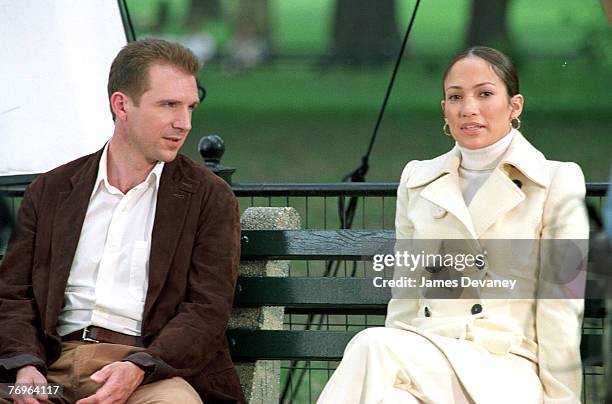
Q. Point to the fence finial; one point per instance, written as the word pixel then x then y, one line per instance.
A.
pixel 211 149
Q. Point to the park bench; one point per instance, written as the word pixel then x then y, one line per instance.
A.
pixel 264 293
pixel 337 295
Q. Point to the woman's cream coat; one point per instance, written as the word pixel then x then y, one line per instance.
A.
pixel 545 201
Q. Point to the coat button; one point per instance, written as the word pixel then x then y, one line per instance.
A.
pixel 477 308
pixel 518 183
pixel 427 312
pixel 480 264
pixel 438 212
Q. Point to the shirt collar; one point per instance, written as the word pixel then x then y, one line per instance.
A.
pixel 153 177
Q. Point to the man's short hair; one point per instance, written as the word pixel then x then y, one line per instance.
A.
pixel 129 71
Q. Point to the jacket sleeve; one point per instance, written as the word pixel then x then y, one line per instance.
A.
pixel 400 308
pixel 20 339
pixel 560 307
pixel 200 320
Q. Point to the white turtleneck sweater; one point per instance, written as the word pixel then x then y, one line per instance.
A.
pixel 478 164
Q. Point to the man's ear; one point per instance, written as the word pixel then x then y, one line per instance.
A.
pixel 120 104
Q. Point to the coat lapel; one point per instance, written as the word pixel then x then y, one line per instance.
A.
pixel 67 224
pixel 173 201
pixel 441 180
pixel 445 193
pixel 497 196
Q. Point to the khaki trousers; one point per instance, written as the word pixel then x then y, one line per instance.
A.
pixel 79 360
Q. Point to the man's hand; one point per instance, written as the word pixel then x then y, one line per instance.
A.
pixel 120 380
pixel 29 375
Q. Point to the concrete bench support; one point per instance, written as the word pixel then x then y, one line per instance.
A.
pixel 260 379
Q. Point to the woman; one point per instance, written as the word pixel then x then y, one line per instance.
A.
pixel 492 185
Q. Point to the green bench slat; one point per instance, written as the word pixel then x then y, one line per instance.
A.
pixel 311 244
pixel 247 345
pixel 332 295
pixel 310 292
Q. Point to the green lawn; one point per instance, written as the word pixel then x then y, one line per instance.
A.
pixel 301 124
pixel 292 121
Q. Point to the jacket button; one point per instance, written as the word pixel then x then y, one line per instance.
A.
pixel 480 264
pixel 427 312
pixel 438 212
pixel 477 308
pixel 518 183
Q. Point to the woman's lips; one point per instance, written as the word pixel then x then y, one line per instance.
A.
pixel 471 128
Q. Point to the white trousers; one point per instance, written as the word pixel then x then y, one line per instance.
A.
pixel 393 366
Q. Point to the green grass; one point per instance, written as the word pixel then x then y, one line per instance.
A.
pixel 295 122
pixel 301 124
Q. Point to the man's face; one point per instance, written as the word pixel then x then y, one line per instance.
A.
pixel 157 127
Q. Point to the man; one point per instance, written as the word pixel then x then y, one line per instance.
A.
pixel 119 281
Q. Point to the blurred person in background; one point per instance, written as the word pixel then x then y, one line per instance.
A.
pixel 251 43
pixel 196 36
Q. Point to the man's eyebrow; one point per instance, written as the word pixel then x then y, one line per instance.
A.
pixel 165 100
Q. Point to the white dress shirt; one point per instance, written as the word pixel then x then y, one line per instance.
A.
pixel 109 278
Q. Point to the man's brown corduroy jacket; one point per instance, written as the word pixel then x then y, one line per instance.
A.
pixel 192 274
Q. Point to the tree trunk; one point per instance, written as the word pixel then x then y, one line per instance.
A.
pixel 364 31
pixel 200 11
pixel 488 25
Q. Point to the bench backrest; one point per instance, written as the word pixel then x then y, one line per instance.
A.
pixel 329 295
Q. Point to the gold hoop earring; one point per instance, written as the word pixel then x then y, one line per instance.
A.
pixel 515 123
pixel 445 129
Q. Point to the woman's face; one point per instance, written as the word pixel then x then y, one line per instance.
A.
pixel 476 104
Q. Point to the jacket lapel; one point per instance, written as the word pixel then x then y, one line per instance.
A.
pixel 441 180
pixel 496 196
pixel 445 193
pixel 173 201
pixel 67 224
